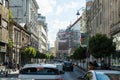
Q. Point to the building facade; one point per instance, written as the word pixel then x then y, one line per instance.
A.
pixel 25 13
pixel 20 39
pixel 115 28
pixel 103 17
pixel 62 41
pixel 74 38
pixel 4 24
pixel 43 36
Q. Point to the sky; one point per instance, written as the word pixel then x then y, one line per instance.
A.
pixel 59 14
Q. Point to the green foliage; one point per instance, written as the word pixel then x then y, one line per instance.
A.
pixel 40 55
pixel 30 52
pixel 116 55
pixel 10 43
pixel 49 56
pixel 101 46
pixel 10 15
pixel 79 53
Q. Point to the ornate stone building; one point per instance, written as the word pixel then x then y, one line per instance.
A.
pixel 4 24
pixel 103 16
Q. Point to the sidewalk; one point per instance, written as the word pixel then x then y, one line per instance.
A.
pixel 81 69
pixel 115 68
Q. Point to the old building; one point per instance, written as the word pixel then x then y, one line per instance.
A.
pixel 20 39
pixel 25 12
pixel 103 16
pixel 4 23
pixel 115 28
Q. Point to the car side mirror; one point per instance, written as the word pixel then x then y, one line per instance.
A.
pixel 62 72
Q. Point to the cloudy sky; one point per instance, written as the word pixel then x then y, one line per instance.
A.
pixel 59 14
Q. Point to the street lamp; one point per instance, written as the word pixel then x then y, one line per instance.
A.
pixel 78 13
pixel 83 9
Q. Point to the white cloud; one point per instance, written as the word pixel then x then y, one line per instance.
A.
pixel 66 7
pixel 59 10
pixel 45 6
pixel 71 5
pixel 53 2
pixel 59 24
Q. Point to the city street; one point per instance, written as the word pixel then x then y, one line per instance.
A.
pixel 60 39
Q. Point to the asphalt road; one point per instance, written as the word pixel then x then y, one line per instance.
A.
pixel 72 75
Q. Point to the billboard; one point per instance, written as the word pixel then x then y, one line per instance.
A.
pixel 84 39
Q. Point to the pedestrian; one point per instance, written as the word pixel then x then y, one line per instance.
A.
pixel 18 66
pixel 95 63
pixel 91 66
pixel 103 65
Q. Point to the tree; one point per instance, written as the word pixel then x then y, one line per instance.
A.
pixel 101 46
pixel 79 53
pixel 49 55
pixel 29 52
pixel 40 55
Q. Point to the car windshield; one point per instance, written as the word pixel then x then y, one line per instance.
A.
pixel 107 76
pixel 39 71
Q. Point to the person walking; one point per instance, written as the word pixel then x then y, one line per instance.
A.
pixel 91 66
pixel 95 64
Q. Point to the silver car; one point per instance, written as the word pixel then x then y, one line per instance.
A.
pixel 40 72
pixel 101 75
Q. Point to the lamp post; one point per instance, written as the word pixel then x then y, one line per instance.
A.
pixel 87 37
pixel 78 11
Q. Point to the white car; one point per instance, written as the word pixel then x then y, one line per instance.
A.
pixel 40 72
pixel 101 75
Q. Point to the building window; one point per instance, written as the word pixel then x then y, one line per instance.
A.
pixel 16 35
pixel 4 23
pixel 0 19
pixel 0 34
pixel 100 17
pixel 1 1
pixel 6 4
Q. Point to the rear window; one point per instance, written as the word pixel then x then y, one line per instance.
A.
pixel 67 64
pixel 40 71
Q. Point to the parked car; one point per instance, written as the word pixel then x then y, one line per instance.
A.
pixel 41 72
pixel 68 66
pixel 101 75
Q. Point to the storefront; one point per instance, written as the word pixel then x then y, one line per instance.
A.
pixel 3 52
